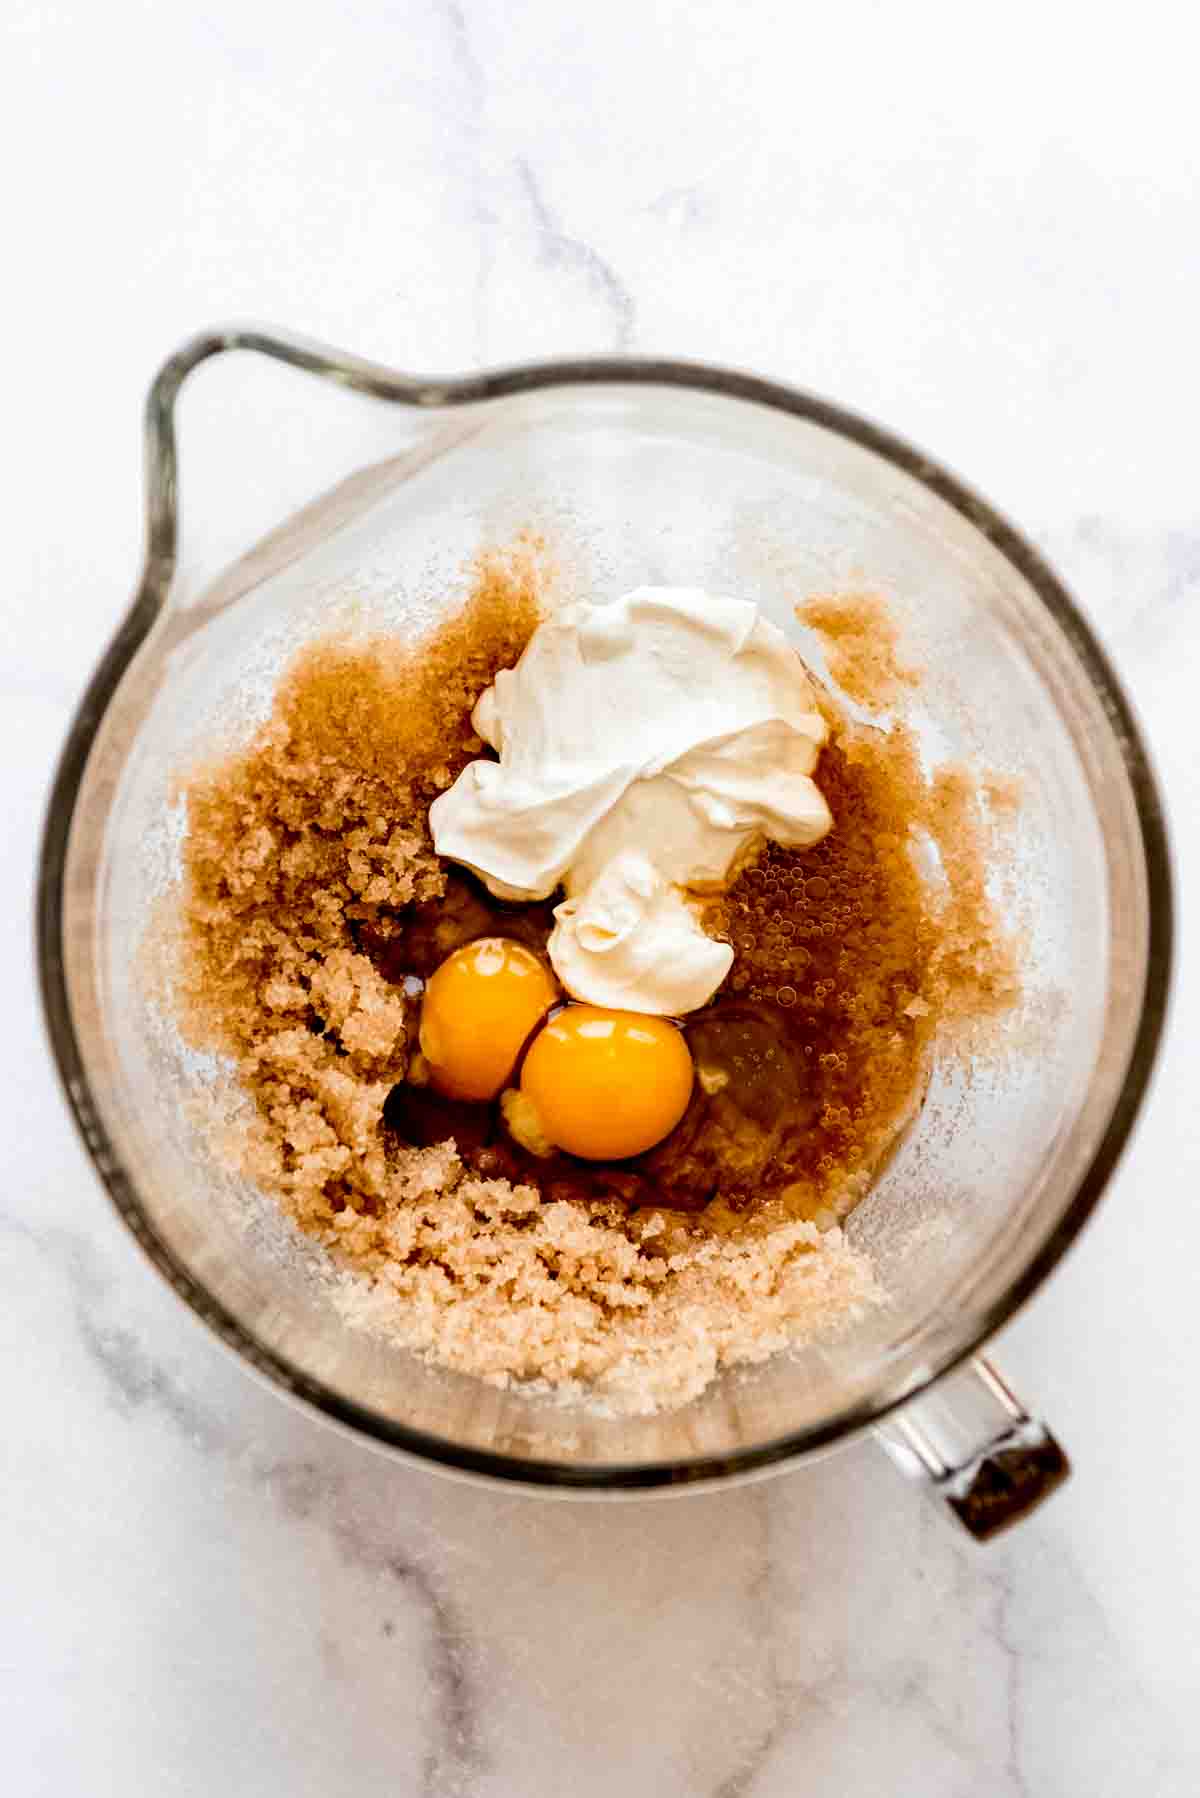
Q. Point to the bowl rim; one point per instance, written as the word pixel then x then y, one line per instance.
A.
pixel 437 394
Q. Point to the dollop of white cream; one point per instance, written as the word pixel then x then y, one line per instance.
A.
pixel 631 941
pixel 646 748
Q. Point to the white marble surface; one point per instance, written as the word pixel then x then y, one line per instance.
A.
pixel 984 234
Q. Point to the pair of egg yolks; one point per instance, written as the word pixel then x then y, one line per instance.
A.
pixel 604 1084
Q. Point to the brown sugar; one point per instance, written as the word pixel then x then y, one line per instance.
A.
pixel 862 647
pixel 301 841
pixel 311 890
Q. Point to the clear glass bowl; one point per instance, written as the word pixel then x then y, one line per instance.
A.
pixel 640 471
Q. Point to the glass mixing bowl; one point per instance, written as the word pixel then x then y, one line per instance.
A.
pixel 664 472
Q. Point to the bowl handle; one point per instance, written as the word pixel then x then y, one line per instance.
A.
pixel 322 360
pixel 977 1448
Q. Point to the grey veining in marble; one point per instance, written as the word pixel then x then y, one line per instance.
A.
pixel 990 246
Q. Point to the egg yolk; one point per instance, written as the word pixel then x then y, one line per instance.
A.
pixel 478 1011
pixel 607 1084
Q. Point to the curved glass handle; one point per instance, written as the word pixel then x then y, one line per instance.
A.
pixel 337 366
pixel 973 1442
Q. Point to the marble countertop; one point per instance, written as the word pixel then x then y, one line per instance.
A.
pixel 987 240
